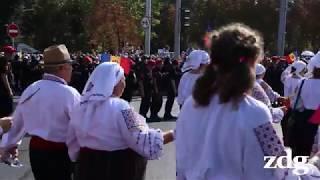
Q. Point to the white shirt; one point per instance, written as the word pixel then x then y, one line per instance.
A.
pixel 113 126
pixel 43 111
pixel 290 85
pixel 310 94
pixel 186 85
pixel 218 142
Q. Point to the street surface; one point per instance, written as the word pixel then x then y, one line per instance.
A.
pixel 163 169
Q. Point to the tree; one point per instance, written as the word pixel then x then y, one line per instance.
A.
pixel 7 10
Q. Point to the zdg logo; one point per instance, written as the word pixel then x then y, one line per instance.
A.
pixel 286 162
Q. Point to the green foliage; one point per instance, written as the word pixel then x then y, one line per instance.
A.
pixel 77 23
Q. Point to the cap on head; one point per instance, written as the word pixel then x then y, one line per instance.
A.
pixel 56 55
pixel 260 69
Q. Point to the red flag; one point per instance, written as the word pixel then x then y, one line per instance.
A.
pixel 126 64
pixel 315 119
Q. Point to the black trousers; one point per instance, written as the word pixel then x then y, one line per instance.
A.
pixel 145 104
pixel 113 165
pixel 169 104
pixel 50 165
pixel 284 127
pixel 301 134
pixel 156 104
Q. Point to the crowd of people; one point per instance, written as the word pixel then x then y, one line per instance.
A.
pixel 230 100
pixel 150 77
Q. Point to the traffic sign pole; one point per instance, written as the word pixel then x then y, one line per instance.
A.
pixel 147 43
pixel 13 32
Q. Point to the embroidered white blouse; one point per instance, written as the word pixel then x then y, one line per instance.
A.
pixel 219 142
pixel 310 94
pixel 259 94
pixel 113 126
pixel 43 111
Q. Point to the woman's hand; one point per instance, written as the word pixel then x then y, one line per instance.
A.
pixel 6 123
pixel 168 137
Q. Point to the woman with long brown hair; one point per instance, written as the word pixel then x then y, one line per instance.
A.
pixel 222 132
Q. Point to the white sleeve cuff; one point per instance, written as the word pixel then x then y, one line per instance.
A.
pixel 277 115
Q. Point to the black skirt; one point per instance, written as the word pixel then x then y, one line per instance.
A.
pixel 301 133
pixel 110 165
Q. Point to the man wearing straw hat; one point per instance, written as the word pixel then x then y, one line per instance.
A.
pixel 43 112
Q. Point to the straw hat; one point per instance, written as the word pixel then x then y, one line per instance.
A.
pixel 56 55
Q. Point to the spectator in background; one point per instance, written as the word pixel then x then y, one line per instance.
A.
pixel 6 93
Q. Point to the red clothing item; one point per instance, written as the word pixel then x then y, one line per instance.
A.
pixel 126 64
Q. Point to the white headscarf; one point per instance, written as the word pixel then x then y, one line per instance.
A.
pixel 102 81
pixel 195 59
pixel 260 69
pixel 95 96
pixel 299 66
pixel 314 62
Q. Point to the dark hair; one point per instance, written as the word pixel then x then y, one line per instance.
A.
pixel 235 48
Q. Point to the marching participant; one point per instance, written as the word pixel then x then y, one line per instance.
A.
pixel 310 65
pixel 193 68
pixel 291 78
pixel 43 112
pixel 111 140
pixel 306 56
pixel 260 73
pixel 222 132
pixel 302 132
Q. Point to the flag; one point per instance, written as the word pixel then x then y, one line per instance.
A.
pixel 291 58
pixel 126 64
pixel 105 57
pixel 115 59
pixel 315 119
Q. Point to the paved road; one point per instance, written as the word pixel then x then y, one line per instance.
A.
pixel 163 169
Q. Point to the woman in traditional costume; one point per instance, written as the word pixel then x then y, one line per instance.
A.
pixel 108 138
pixel 222 132
pixel 302 132
pixel 193 68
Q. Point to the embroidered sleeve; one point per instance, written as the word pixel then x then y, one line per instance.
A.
pixel 132 120
pixel 259 94
pixel 268 140
pixel 273 96
pixel 146 141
